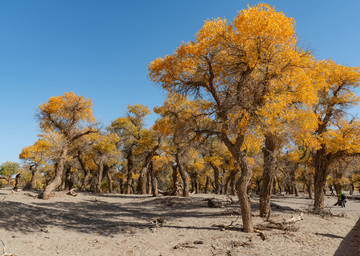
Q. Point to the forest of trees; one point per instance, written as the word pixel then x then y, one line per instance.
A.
pixel 247 110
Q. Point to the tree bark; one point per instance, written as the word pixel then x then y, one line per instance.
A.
pixel 321 169
pixel 99 175
pixel 310 185
pixel 33 170
pixel 110 180
pixel 154 183
pixel 216 178
pixel 86 171
pixel 184 176
pixel 130 166
pixel 149 182
pixel 268 174
pixel 207 183
pixel 56 182
pixel 243 181
pixel 143 180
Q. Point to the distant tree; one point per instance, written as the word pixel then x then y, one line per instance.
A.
pixel 9 169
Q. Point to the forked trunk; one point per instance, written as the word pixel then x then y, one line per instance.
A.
pixel 56 182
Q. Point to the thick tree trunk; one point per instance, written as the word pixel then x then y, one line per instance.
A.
pixel 17 181
pixel 149 182
pixel 268 174
pixel 99 177
pixel 110 180
pixel 310 186
pixel 143 180
pixel 321 169
pixel 232 182
pixel 154 183
pixel 216 178
pixel 207 183
pixel 243 196
pixel 184 176
pixel 243 182
pixel 33 177
pixel 227 184
pixel 85 181
pixel 130 166
pixel 86 171
pixel 294 188
pixel 69 179
pixel 56 182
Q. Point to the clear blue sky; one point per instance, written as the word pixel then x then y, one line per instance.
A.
pixel 101 49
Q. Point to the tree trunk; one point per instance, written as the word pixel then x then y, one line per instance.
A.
pixel 130 166
pixel 149 182
pixel 154 184
pixel 110 180
pixel 33 177
pixel 86 179
pixel 232 182
pixel 216 178
pixel 184 176
pixel 321 166
pixel 244 180
pixel 99 175
pixel 243 196
pixel 227 184
pixel 56 182
pixel 17 181
pixel 86 171
pixel 142 180
pixel 268 174
pixel 69 179
pixel 206 189
pixel 310 185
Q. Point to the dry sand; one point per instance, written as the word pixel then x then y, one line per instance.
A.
pixel 111 224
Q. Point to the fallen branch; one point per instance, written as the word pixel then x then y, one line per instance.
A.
pixel 4 253
pixel 72 193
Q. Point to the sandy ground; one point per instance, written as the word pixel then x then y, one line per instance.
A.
pixel 112 224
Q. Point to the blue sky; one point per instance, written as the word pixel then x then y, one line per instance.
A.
pixel 101 49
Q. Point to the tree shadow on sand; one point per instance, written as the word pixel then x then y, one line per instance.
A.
pixel 94 215
pixel 351 243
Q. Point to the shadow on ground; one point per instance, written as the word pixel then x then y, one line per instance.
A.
pixel 95 215
pixel 351 243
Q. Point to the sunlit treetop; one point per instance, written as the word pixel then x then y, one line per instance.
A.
pixel 66 114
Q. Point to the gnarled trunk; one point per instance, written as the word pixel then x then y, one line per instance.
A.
pixel 184 176
pixel 243 181
pixel 56 182
pixel 321 169
pixel 268 174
